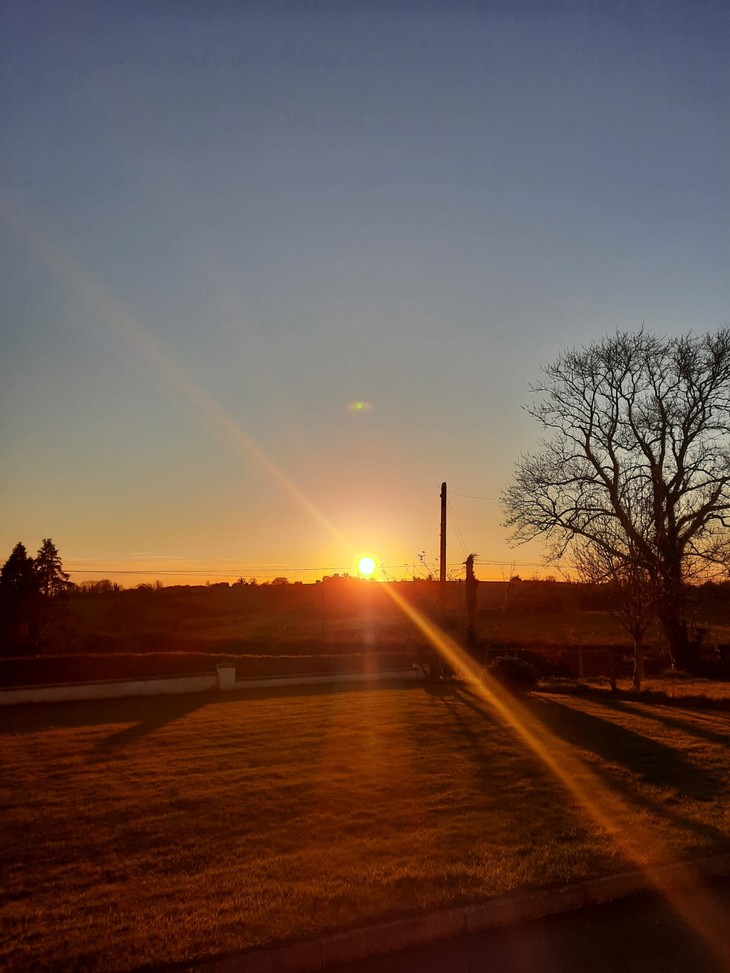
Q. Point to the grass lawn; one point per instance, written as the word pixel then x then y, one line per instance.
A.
pixel 158 830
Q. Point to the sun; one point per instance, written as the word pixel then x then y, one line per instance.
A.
pixel 366 566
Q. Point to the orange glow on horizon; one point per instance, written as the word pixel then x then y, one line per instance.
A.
pixel 171 571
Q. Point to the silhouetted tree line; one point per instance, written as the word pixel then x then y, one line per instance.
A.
pixel 28 588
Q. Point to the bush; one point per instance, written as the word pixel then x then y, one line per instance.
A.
pixel 516 674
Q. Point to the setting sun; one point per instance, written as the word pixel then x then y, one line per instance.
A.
pixel 366 566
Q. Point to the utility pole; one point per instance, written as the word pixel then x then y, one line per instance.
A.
pixel 442 552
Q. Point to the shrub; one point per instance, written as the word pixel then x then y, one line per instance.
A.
pixel 516 674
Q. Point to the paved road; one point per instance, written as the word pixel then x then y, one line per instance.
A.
pixel 637 935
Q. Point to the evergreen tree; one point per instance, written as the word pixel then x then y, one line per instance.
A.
pixel 51 578
pixel 17 575
pixel 18 594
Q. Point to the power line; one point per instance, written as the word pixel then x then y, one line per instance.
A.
pixel 192 571
pixel 456 528
pixel 468 496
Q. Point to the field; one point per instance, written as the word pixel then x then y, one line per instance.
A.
pixel 158 830
pixel 339 624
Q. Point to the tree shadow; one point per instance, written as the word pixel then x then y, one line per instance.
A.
pixel 456 700
pixel 448 694
pixel 150 719
pixel 672 721
pixel 175 707
pixel 651 761
pixel 32 717
pixel 71 714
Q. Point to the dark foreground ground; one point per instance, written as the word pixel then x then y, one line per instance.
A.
pixel 636 935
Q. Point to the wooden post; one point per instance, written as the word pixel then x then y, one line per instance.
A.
pixel 471 602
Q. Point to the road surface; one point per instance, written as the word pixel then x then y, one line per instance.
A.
pixel 637 935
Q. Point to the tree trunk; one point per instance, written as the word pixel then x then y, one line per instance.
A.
pixel 680 649
pixel 670 613
pixel 612 670
pixel 638 664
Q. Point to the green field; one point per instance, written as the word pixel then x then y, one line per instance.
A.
pixel 159 830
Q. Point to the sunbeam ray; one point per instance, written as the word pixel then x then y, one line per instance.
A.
pixel 122 326
pixel 628 831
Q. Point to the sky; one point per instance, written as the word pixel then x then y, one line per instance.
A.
pixel 271 272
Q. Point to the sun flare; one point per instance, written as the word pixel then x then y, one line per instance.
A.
pixel 366 566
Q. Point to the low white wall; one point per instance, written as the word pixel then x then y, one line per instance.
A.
pixel 110 690
pixel 204 682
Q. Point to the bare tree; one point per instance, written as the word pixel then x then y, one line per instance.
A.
pixel 637 463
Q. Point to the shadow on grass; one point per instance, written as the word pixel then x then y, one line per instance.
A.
pixel 448 694
pixel 650 713
pixel 151 719
pixel 650 697
pixel 31 717
pixel 494 754
pixel 651 762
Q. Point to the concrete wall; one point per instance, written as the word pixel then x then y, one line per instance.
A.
pixel 224 679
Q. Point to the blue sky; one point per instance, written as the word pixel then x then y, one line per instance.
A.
pixel 221 224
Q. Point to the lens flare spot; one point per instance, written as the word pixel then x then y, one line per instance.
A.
pixel 359 406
